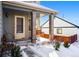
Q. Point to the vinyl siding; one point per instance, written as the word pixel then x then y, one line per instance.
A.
pixel 9 22
pixel 58 23
pixel 0 21
pixel 67 29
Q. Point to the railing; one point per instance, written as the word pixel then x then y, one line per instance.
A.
pixel 70 39
pixel 73 38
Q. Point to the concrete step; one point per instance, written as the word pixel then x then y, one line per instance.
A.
pixel 22 43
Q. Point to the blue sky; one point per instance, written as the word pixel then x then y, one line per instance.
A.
pixel 68 10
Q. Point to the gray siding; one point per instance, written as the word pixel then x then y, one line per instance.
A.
pixel 0 21
pixel 9 22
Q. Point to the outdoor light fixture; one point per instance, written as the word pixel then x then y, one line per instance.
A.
pixel 6 14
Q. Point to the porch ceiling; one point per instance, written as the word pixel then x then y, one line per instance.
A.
pixel 30 6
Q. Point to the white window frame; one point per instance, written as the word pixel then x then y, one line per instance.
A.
pixel 59 30
pixel 16 24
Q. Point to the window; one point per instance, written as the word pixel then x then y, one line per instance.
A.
pixel 59 30
pixel 19 25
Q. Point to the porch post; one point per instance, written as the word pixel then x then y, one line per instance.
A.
pixel 33 27
pixel 1 32
pixel 51 27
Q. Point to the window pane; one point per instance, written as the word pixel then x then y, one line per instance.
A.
pixel 19 25
pixel 59 30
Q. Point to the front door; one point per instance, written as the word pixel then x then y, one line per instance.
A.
pixel 19 27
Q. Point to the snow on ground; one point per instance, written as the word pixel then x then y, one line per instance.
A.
pixel 76 44
pixel 72 51
pixel 23 53
pixel 49 51
pixel 42 50
pixel 23 47
pixel 41 39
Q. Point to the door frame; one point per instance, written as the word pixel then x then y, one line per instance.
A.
pixel 19 35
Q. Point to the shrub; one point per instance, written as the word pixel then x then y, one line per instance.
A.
pixel 15 51
pixel 1 50
pixel 4 39
pixel 66 45
pixel 57 45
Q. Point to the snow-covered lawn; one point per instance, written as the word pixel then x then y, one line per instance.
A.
pixel 49 51
pixel 72 51
pixel 23 53
pixel 43 50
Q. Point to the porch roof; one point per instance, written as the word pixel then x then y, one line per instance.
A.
pixel 31 6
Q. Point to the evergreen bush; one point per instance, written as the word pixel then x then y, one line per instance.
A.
pixel 66 45
pixel 57 45
pixel 15 51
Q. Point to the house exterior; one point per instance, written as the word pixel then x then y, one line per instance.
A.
pixel 62 28
pixel 19 20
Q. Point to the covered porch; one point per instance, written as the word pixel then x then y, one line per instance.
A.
pixel 21 20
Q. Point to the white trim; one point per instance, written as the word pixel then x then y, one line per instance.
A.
pixel 19 34
pixel 30 6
